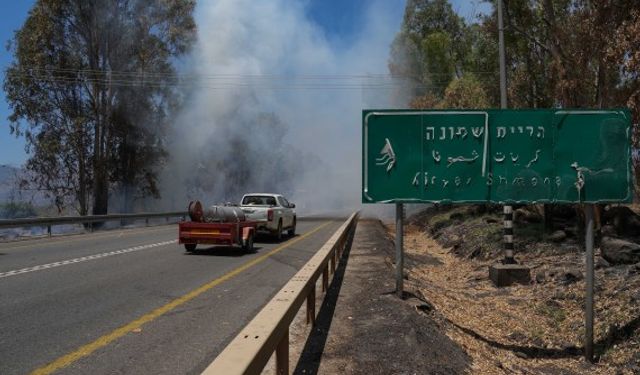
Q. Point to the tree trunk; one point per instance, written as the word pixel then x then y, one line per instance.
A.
pixel 100 177
pixel 100 192
pixel 82 183
pixel 556 51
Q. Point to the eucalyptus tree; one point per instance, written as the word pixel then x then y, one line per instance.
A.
pixel 91 87
pixel 429 50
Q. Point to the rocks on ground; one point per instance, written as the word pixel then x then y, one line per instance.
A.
pixel 619 251
pixel 556 296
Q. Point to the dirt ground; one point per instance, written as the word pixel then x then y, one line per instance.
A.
pixel 523 329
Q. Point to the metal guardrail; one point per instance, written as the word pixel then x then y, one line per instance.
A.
pixel 51 221
pixel 268 332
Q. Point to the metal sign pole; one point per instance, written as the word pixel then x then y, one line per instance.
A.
pixel 588 346
pixel 399 250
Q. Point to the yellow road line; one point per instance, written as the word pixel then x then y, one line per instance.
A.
pixel 49 241
pixel 86 350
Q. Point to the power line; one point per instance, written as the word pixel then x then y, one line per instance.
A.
pixel 145 74
pixel 239 86
pixel 276 82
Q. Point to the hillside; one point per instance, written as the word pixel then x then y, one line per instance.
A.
pixel 535 328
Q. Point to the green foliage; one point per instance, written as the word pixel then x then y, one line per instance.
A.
pixel 438 60
pixel 17 210
pixel 466 92
pixel 560 53
pixel 430 48
pixel 94 84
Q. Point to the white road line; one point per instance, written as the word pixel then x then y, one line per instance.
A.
pixel 83 259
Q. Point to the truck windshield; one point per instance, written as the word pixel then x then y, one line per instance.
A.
pixel 258 200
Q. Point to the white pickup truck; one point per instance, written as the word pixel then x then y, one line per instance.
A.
pixel 273 213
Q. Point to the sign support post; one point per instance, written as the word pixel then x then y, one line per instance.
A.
pixel 508 236
pixel 588 345
pixel 399 250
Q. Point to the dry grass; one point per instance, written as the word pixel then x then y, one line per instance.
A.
pixel 526 329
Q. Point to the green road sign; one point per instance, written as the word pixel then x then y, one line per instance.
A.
pixel 500 156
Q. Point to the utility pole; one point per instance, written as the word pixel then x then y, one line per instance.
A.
pixel 508 271
pixel 508 210
pixel 503 67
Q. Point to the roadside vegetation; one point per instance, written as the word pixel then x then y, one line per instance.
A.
pixel 560 54
pixel 92 88
pixel 535 328
pixel 17 210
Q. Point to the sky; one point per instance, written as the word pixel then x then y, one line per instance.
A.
pixel 341 21
pixel 13 14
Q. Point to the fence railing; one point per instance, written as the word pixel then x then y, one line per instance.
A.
pixel 62 220
pixel 268 332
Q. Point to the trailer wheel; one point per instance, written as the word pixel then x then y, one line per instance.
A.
pixel 190 247
pixel 247 246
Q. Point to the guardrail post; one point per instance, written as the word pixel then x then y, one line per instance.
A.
pixel 311 307
pixel 282 354
pixel 325 279
pixel 333 263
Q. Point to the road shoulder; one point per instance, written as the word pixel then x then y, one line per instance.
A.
pixel 363 328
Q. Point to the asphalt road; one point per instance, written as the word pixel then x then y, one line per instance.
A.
pixel 133 301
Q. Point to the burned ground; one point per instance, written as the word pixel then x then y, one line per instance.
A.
pixel 536 328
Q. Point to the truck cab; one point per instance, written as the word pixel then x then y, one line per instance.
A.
pixel 273 213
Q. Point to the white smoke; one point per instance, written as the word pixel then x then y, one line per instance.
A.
pixel 257 57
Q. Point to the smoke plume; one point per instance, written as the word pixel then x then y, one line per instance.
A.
pixel 276 104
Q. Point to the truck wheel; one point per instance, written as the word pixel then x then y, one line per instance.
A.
pixel 190 247
pixel 247 246
pixel 292 230
pixel 279 231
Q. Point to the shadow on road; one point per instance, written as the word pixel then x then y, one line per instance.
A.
pixel 267 239
pixel 236 251
pixel 223 251
pixel 374 333
pixel 309 361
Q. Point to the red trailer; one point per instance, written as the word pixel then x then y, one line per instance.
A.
pixel 232 232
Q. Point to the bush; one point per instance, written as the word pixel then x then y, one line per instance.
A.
pixel 17 210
